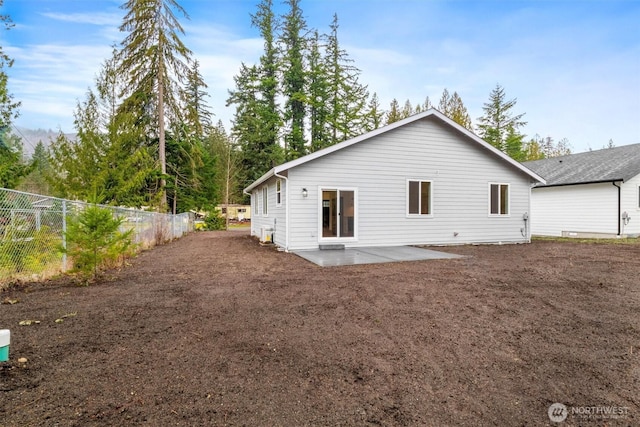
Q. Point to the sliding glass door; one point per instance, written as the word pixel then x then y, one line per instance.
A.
pixel 338 213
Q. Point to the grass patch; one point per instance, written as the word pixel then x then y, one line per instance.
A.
pixel 621 241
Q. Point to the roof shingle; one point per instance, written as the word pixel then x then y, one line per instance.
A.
pixel 609 164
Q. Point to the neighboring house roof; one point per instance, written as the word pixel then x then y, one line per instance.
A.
pixel 606 165
pixel 429 113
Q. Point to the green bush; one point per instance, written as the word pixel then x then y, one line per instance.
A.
pixel 215 221
pixel 94 240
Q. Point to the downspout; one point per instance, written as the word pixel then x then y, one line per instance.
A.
pixel 286 211
pixel 251 202
pixel 619 207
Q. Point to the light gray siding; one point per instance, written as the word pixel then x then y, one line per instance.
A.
pixel 276 213
pixel 585 208
pixel 631 204
pixel 378 168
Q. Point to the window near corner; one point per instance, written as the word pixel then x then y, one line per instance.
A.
pixel 499 203
pixel 419 198
pixel 265 198
pixel 278 192
pixel 638 196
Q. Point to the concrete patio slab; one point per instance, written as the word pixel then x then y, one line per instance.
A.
pixel 372 255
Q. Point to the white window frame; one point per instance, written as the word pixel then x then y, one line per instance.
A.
pixel 255 201
pixel 419 215
pixel 278 192
pixel 265 201
pixel 638 194
pixel 500 184
pixel 322 239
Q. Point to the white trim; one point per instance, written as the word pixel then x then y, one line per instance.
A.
pixel 278 191
pixel 322 239
pixel 431 112
pixel 265 201
pixel 499 215
pixel 286 211
pixel 419 215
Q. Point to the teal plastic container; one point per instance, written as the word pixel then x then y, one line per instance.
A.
pixel 5 339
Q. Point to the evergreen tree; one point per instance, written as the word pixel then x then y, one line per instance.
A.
pixel 294 80
pixel 453 107
pixel 258 154
pixel 154 62
pixel 198 114
pixel 394 114
pixel 374 115
pixel 318 95
pixel 267 73
pixel 444 106
pixel 185 146
pixel 38 179
pixel 407 110
pixel 257 122
pixel 12 167
pixel 458 112
pixel 106 156
pixel 347 98
pixel 499 126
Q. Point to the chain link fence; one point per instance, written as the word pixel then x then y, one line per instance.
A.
pixel 33 227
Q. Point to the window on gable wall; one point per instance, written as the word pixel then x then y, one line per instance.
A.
pixel 499 199
pixel 278 192
pixel 419 197
pixel 265 200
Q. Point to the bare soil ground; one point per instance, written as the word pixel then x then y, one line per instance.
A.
pixel 214 329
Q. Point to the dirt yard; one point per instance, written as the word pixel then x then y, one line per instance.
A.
pixel 216 330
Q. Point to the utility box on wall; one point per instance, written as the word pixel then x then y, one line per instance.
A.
pixel 5 339
pixel 266 234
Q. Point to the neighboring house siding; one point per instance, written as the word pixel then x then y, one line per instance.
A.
pixel 584 208
pixel 460 171
pixel 631 204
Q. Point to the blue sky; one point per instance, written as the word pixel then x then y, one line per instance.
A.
pixel 574 66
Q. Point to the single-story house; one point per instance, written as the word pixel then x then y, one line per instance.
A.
pixel 592 194
pixel 422 180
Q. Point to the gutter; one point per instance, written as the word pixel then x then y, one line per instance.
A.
pixel 286 211
pixel 619 207
pixel 581 183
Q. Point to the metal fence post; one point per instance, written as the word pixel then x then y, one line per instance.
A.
pixel 64 235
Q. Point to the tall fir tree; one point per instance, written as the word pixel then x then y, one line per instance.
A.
pixel 374 114
pixel 268 73
pixel 318 95
pixel 12 166
pixel 294 79
pixel 499 126
pixel 395 113
pixel 258 153
pixel 347 98
pixel 154 62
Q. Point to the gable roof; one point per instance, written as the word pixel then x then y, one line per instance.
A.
pixel 429 113
pixel 606 165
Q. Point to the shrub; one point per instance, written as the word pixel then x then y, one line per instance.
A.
pixel 94 239
pixel 215 221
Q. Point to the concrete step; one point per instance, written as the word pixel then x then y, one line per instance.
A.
pixel 331 247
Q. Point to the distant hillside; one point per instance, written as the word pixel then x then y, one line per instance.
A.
pixel 31 137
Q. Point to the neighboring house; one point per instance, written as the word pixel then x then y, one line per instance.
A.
pixel 592 194
pixel 422 180
pixel 235 212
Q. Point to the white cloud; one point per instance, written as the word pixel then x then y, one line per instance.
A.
pixel 94 18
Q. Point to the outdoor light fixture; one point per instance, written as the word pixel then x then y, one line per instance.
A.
pixel 304 192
